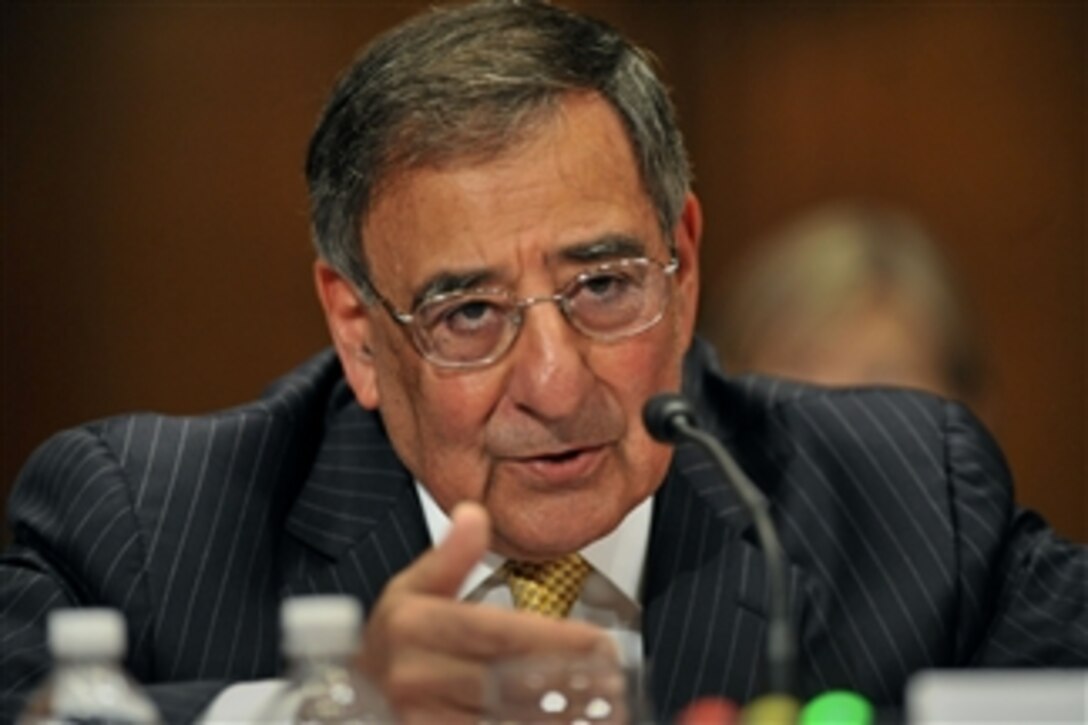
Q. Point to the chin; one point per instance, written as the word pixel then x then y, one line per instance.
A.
pixel 553 531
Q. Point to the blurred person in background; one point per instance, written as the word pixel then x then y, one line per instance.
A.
pixel 852 294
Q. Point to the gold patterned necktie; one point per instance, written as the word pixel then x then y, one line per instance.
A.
pixel 546 587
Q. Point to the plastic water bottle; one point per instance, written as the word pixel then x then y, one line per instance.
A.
pixel 88 682
pixel 320 640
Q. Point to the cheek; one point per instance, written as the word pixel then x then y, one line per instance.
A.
pixel 633 373
pixel 456 405
pixel 420 397
pixel 437 421
pixel 649 366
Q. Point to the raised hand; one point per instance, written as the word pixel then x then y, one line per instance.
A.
pixel 429 652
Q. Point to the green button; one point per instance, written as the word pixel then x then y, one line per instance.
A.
pixel 837 707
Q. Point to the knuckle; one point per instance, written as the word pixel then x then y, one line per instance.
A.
pixel 402 622
pixel 405 683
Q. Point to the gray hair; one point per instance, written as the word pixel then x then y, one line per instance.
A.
pixel 467 83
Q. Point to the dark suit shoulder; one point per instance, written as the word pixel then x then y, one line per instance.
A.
pixel 897 503
pixel 906 550
pixel 148 464
pixel 895 458
pixel 939 439
pixel 302 393
pixel 177 521
pixel 146 451
pixel 299 398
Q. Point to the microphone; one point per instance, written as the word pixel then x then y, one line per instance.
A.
pixel 670 418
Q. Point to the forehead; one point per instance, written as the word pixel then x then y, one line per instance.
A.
pixel 573 180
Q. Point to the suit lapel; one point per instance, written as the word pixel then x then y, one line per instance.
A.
pixel 706 595
pixel 357 515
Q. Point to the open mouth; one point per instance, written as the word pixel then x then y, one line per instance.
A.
pixel 562 468
pixel 563 456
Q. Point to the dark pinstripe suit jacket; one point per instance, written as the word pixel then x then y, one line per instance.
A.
pixel 895 508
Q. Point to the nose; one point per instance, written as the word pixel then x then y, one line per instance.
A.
pixel 550 377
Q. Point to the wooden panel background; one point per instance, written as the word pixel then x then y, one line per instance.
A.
pixel 154 234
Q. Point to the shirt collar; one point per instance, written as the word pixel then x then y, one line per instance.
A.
pixel 619 556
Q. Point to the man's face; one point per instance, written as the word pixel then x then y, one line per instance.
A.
pixel 549 437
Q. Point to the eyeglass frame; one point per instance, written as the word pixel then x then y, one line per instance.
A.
pixel 408 320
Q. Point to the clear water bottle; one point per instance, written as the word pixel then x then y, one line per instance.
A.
pixel 88 683
pixel 320 640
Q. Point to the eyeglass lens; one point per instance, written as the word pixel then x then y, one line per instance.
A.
pixel 609 302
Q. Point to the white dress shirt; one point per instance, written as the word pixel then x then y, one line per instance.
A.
pixel 609 599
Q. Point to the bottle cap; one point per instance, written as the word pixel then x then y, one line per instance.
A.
pixel 837 707
pixel 320 625
pixel 709 711
pixel 86 634
pixel 770 709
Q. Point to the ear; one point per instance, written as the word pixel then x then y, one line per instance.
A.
pixel 687 235
pixel 351 327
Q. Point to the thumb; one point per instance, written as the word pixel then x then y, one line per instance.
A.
pixel 442 569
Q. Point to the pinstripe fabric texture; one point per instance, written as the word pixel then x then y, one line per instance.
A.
pixel 895 510
pixel 196 528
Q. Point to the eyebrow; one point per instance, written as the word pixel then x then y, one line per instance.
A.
pixel 444 283
pixel 602 249
pixel 605 248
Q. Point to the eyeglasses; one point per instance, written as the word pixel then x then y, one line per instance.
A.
pixel 477 327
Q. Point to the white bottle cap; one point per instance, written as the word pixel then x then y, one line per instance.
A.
pixel 321 625
pixel 87 634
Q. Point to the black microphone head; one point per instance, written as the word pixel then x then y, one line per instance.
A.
pixel 662 412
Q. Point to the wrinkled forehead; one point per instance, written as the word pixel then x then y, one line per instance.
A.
pixel 569 191
pixel 575 130
pixel 455 139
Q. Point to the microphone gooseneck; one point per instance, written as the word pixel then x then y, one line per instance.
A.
pixel 670 418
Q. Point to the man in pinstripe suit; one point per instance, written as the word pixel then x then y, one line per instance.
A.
pixel 508 262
